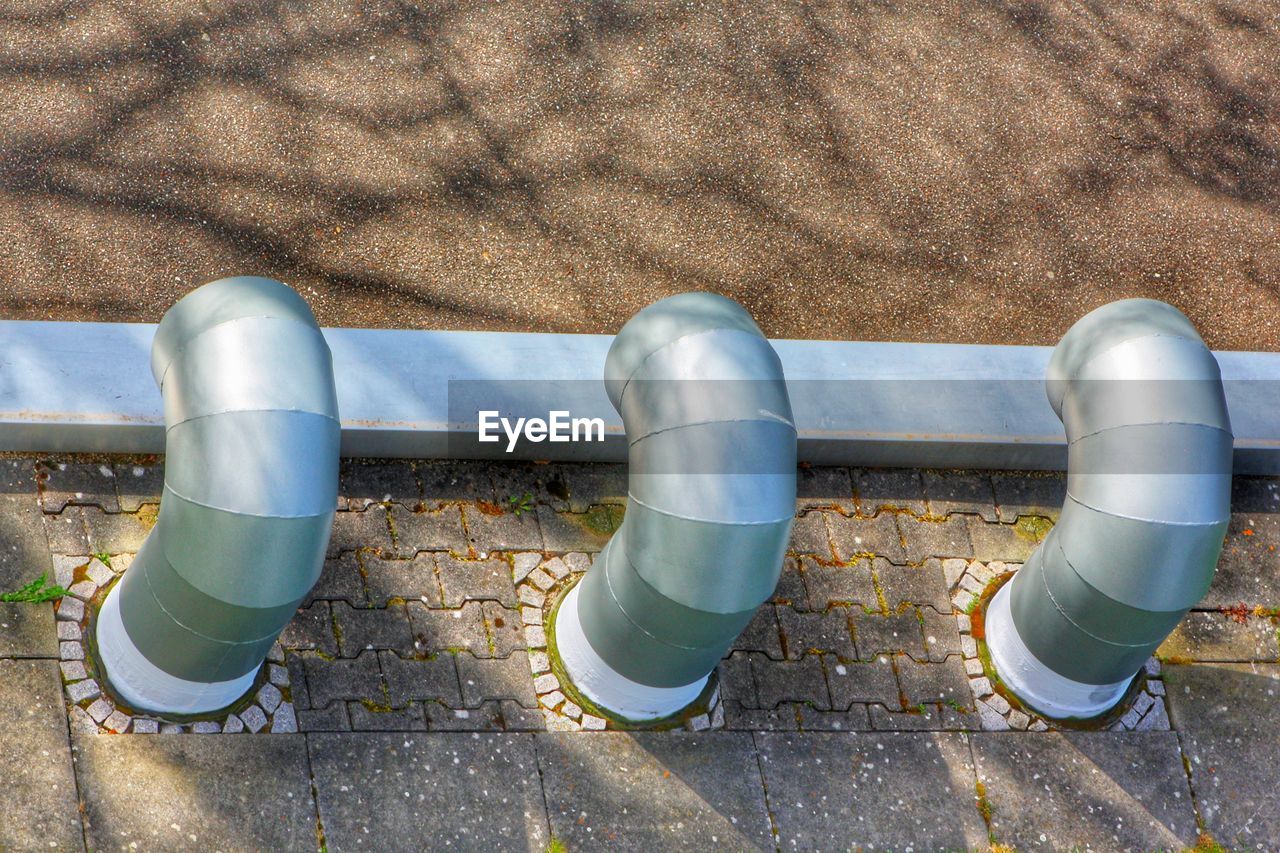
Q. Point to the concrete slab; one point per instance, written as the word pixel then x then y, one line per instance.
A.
pixel 38 807
pixel 196 792
pixel 416 791
pixel 842 791
pixel 1227 716
pixel 654 791
pixel 1086 790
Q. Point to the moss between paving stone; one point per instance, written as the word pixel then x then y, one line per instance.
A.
pixel 977 629
pixel 697 707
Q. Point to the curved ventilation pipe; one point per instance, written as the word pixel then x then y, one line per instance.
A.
pixel 250 487
pixel 711 497
pixel 1148 500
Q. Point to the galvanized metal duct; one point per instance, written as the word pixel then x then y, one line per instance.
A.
pixel 251 481
pixel 711 498
pixel 1148 501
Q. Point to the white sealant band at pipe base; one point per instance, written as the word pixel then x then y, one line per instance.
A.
pixel 145 686
pixel 1040 687
pixel 602 684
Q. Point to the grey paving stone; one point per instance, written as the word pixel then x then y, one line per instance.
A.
pixel 115 532
pixel 491 527
pixel 1009 542
pixel 486 718
pixel 503 625
pixel 24 543
pixel 790 681
pixel 441 630
pixel 137 485
pixel 871 791
pixel 941 539
pixel 66 532
pixel 784 718
pixel 650 791
pixel 810 535
pixel 853 719
pixel 331 719
pixel 496 679
pixel 27 630
pixel 405 791
pixel 578 531
pixel 577 487
pixel 924 585
pixel 827 632
pixel 241 792
pixel 355 530
pixel 853 684
pixel 1227 716
pixel 1086 790
pixel 876 634
pixel 412 579
pixel 880 489
pixel 38 807
pixel 284 720
pixel 420 679
pixel 959 491
pixel 1029 493
pixel 1217 637
pixel 821 487
pixel 917 718
pixel 855 537
pixel 80 483
pixel 311 629
pixel 361 628
pixel 452 480
pixel 941 636
pixel 366 481
pixel 761 634
pixel 1246 571
pixel 427 530
pixel 370 717
pixel 736 681
pixel 18 476
pixel 944 682
pixel 355 678
pixel 475 580
pixel 83 690
pixel 340 578
pixel 825 586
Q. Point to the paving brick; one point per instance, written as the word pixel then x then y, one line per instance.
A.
pixel 790 589
pixel 66 532
pixel 38 796
pixel 809 535
pixel 862 537
pixel 761 634
pixel 784 718
pixel 683 791
pixel 334 718
pixel 427 530
pixel 138 485
pixel 18 477
pixel 576 487
pixel 439 630
pixel 370 717
pixel 1086 790
pixel 854 719
pixel 343 679
pixel 941 637
pixel 496 679
pixel 823 488
pixel 372 628
pixel 493 528
pixel 827 632
pixel 503 625
pixel 355 530
pixel 942 539
pixel 944 682
pixel 411 579
pixel 27 630
pixel 859 683
pixel 790 681
pixel 736 681
pixel 876 634
pixel 363 482
pixel 924 718
pixel 486 718
pixel 79 483
pixel 452 480
pixel 827 586
pixel 116 533
pixel 586 531
pixel 924 585
pixel 1029 494
pixel 475 580
pixel 340 578
pixel 1007 542
pixel 1217 637
pixel 871 791
pixel 312 629
pixel 1246 571
pixel 959 491
pixel 453 783
pixel 880 489
pixel 434 678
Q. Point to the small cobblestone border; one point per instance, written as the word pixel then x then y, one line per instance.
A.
pixel 92 711
pixel 969 583
pixel 540 586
